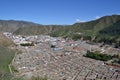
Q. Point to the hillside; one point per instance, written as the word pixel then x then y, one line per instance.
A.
pixel 13 25
pixel 6 54
pixel 91 30
pixel 101 30
pixel 4 41
pixel 24 27
pixel 87 28
pixel 104 30
pixel 43 29
pixel 114 29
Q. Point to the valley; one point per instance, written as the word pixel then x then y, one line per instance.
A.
pixel 81 51
pixel 61 59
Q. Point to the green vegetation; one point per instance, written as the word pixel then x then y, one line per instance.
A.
pixel 13 69
pixel 104 30
pixel 103 57
pixel 98 56
pixel 6 56
pixel 27 44
pixel 13 25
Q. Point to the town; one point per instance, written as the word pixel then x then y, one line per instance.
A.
pixel 60 59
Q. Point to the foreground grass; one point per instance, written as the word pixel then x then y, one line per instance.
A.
pixel 6 56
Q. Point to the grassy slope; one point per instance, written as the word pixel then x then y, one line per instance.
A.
pixel 111 30
pixel 110 24
pixel 6 54
pixel 4 41
pixel 12 25
pixel 88 28
pixel 105 29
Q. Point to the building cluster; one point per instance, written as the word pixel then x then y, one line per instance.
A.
pixel 60 59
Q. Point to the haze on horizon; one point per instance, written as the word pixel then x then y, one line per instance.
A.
pixel 57 11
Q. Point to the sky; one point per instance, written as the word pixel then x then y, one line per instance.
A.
pixel 61 12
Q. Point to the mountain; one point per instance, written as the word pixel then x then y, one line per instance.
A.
pixel 114 29
pixel 86 28
pixel 105 29
pixel 99 23
pixel 44 29
pixel 13 25
pixel 91 29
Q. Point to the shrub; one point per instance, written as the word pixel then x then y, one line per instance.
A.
pixel 98 56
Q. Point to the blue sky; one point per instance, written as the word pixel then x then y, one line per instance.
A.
pixel 57 11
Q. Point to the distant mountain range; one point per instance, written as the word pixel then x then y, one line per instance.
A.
pixel 13 25
pixel 104 23
pixel 100 30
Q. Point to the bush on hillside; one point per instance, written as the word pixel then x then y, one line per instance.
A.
pixel 98 56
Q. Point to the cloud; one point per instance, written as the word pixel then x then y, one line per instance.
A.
pixel 78 20
pixel 97 17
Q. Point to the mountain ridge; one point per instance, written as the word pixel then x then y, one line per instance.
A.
pixel 13 25
pixel 98 30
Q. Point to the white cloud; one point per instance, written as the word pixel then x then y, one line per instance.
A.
pixel 78 20
pixel 97 17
